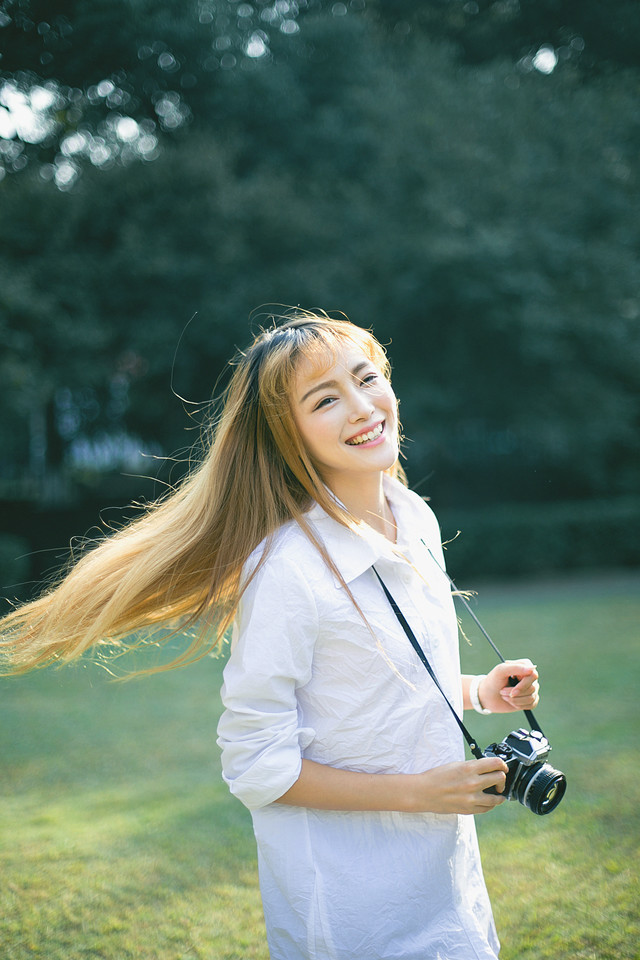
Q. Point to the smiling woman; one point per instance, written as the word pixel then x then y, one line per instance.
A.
pixel 333 735
pixel 347 418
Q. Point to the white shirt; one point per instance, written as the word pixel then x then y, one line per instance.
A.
pixel 308 678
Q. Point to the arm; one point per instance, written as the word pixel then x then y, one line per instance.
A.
pixel 494 692
pixel 452 788
pixel 262 740
pixel 259 732
pixel 496 695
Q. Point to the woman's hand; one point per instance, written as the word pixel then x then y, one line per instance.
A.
pixel 459 787
pixel 496 695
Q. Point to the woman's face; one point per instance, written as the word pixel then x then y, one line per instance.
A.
pixel 346 415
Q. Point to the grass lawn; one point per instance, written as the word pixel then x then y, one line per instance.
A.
pixel 118 839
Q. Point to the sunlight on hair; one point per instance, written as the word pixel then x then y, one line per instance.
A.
pixel 179 568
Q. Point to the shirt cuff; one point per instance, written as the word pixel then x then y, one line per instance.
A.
pixel 270 773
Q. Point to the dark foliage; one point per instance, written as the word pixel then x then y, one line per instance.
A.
pixel 406 163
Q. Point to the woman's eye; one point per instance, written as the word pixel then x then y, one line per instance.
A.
pixel 324 402
pixel 370 378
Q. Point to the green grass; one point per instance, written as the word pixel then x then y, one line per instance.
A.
pixel 118 839
pixel 565 886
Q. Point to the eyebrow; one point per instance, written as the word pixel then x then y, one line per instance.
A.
pixel 327 384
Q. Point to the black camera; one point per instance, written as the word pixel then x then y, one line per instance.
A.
pixel 530 780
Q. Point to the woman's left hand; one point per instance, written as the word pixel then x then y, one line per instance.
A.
pixel 496 695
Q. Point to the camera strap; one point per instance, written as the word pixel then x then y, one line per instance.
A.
pixel 531 720
pixel 473 746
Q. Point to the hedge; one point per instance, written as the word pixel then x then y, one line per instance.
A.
pixel 496 541
pixel 14 561
pixel 519 539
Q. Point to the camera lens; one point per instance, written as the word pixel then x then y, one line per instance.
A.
pixel 541 788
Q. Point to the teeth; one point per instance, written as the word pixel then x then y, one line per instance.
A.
pixel 364 437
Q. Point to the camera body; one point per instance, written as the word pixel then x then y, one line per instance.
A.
pixel 530 779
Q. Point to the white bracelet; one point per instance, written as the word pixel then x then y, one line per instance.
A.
pixel 473 694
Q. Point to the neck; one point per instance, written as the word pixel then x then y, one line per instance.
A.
pixel 364 498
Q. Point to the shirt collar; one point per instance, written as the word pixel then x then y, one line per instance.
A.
pixel 354 553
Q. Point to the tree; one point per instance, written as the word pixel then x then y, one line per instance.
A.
pixel 106 81
pixel 591 36
pixel 367 171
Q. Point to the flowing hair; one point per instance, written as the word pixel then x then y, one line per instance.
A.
pixel 179 567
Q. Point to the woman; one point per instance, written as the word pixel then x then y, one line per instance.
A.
pixel 333 733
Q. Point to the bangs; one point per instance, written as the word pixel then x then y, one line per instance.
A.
pixel 323 344
pixel 318 340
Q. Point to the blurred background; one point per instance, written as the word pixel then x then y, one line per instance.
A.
pixel 460 176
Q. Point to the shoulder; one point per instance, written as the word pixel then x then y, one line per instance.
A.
pixel 419 504
pixel 413 507
pixel 281 582
pixel 287 551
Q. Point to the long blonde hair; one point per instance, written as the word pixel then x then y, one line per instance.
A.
pixel 179 566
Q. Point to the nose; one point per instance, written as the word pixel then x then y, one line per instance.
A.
pixel 361 406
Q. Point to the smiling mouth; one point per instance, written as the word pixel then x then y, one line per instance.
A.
pixel 372 434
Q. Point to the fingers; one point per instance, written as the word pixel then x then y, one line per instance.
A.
pixel 526 699
pixel 491 776
pixel 526 693
pixel 498 695
pixel 488 766
pixel 460 787
pixel 492 772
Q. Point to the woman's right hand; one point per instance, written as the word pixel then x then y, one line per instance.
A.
pixel 459 787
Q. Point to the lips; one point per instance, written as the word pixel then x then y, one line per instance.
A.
pixel 367 435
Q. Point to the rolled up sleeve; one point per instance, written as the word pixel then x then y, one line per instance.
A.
pixel 261 733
